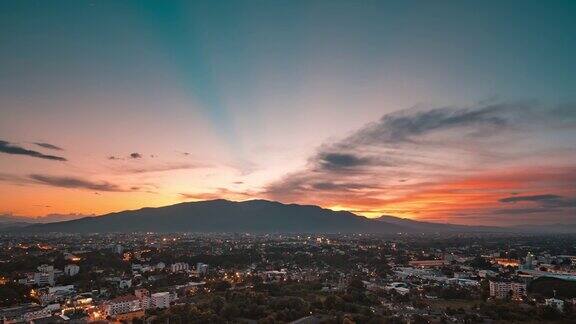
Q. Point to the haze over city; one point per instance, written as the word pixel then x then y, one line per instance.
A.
pixel 444 111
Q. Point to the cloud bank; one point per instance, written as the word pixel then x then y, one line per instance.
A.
pixel 418 160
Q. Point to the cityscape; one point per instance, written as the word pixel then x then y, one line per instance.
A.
pixel 288 278
pixel 288 162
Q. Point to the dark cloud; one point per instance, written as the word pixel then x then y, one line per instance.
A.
pixel 410 124
pixel 133 156
pixel 339 186
pixel 341 160
pixel 546 201
pixel 537 198
pixel 8 148
pixel 73 182
pixel 521 211
pixel 49 146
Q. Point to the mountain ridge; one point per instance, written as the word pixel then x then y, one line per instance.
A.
pixel 220 215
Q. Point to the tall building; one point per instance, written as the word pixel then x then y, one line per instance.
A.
pixel 201 268
pixel 528 262
pixel 118 249
pixel 44 276
pixel 160 300
pixel 144 296
pixel 71 270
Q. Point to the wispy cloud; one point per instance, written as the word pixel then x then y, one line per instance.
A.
pixel 547 200
pixel 159 167
pixel 75 182
pixel 9 148
pixel 49 146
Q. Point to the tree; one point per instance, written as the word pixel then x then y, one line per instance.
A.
pixel 12 293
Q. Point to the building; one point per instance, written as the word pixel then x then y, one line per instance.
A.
pixel 71 270
pixel 160 300
pixel 274 276
pixel 555 303
pixel 54 294
pixel 24 313
pixel 71 257
pixel 487 273
pixel 179 267
pixel 122 305
pixel 144 296
pixel 202 268
pixel 141 293
pixel 505 289
pixel 125 283
pixel 428 263
pixel 528 262
pixel 44 278
pixel 45 268
pixel 118 249
pixel 399 287
pixel 506 262
pixel 556 274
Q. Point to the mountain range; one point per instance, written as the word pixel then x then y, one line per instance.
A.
pixel 9 220
pixel 257 216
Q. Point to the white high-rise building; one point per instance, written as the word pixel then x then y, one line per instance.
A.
pixel 202 268
pixel 160 300
pixel 71 270
pixel 44 276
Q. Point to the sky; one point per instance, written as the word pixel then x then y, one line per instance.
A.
pixel 445 111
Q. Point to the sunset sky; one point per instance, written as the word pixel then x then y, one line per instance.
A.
pixel 445 111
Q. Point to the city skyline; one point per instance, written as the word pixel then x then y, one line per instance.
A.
pixel 447 112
